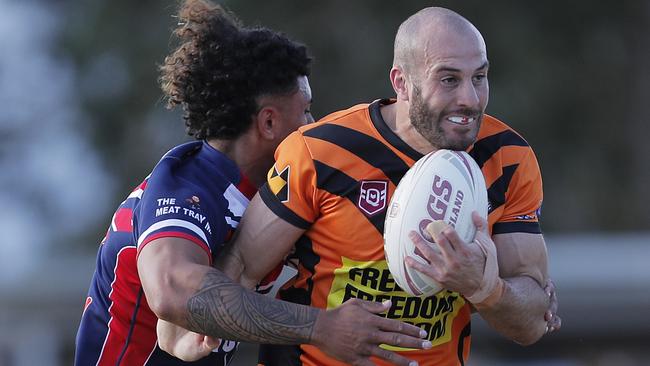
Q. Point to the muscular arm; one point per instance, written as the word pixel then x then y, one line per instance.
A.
pixel 511 300
pixel 183 289
pixel 223 309
pixel 206 301
pixel 519 314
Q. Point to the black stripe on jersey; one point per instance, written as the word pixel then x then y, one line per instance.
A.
pixel 131 327
pixel 369 149
pixel 306 257
pixel 466 332
pixel 334 181
pixel 486 147
pixel 497 191
pixel 338 183
pixel 516 227
pixel 387 133
pixel 281 210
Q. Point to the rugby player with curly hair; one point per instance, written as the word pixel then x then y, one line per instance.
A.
pixel 242 90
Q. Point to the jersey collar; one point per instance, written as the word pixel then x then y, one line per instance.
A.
pixel 386 132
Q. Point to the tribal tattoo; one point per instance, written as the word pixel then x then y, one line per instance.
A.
pixel 223 309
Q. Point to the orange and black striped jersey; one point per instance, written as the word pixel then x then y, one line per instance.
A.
pixel 335 178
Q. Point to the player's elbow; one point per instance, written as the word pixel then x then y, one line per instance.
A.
pixel 526 341
pixel 163 309
pixel 162 299
pixel 529 335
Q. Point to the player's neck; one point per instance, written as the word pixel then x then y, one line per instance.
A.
pixel 397 119
pixel 250 156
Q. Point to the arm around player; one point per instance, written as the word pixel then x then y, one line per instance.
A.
pixel 204 300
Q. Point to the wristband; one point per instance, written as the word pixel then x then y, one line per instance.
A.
pixel 492 286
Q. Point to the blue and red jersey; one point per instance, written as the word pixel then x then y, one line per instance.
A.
pixel 195 193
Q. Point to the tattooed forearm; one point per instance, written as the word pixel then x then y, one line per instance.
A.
pixel 224 309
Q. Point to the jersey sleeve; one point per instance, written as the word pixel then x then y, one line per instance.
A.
pixel 176 213
pixel 290 188
pixel 523 199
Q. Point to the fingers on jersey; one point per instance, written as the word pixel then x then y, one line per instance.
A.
pixel 374 307
pixel 362 332
pixel 409 334
pixel 399 340
pixel 392 357
pixel 388 324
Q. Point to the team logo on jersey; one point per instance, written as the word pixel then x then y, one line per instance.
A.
pixel 279 182
pixel 372 198
pixel 195 202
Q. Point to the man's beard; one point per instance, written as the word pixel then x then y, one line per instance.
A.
pixel 429 124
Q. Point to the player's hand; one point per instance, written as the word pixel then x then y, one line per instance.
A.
pixel 352 333
pixel 184 344
pixel 456 265
pixel 554 322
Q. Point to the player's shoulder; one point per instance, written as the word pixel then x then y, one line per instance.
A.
pixel 192 169
pixel 495 134
pixel 492 126
pixel 332 126
pixel 500 142
pixel 351 117
pixel 175 158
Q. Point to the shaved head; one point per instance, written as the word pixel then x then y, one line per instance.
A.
pixel 439 74
pixel 419 37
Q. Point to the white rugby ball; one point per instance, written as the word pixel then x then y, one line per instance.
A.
pixel 444 185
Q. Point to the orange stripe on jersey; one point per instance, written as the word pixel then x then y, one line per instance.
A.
pixel 493 168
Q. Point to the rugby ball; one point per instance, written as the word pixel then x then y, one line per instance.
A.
pixel 443 185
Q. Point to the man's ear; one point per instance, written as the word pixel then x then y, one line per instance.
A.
pixel 266 122
pixel 399 83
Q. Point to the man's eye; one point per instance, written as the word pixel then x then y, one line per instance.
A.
pixel 449 80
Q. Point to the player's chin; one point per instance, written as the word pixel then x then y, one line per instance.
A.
pixel 459 139
pixel 459 144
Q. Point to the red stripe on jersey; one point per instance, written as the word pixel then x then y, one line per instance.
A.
pixel 124 296
pixel 89 300
pixel 177 234
pixel 142 185
pixel 123 220
pixel 246 187
pixel 143 336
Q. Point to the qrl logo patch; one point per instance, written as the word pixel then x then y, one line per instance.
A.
pixel 372 199
pixel 278 182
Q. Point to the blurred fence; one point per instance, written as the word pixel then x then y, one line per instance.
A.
pixel 603 284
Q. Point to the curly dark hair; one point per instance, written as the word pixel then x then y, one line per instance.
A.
pixel 220 69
